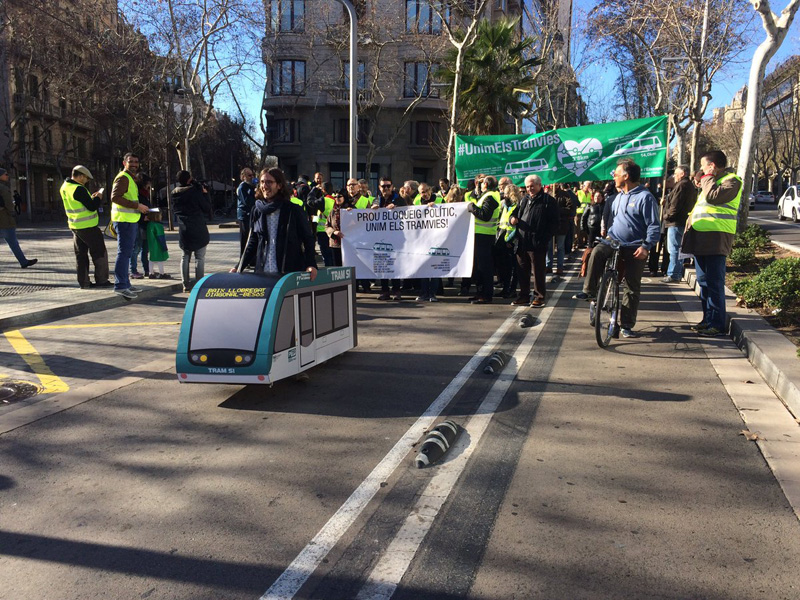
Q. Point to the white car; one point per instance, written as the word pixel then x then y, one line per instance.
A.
pixel 752 203
pixel 765 196
pixel 789 204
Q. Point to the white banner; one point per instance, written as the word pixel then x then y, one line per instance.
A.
pixel 409 242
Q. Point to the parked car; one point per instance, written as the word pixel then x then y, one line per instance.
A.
pixel 765 196
pixel 789 204
pixel 752 203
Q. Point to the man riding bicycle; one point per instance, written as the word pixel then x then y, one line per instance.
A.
pixel 636 227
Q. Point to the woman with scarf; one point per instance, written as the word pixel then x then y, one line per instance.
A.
pixel 333 226
pixel 280 239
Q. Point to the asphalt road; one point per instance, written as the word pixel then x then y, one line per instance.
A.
pixel 581 473
pixel 785 232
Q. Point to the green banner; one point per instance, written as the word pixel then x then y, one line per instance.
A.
pixel 564 155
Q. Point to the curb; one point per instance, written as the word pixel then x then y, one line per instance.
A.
pixel 83 307
pixel 772 355
pixel 228 225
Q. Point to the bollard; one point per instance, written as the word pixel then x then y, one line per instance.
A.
pixel 496 363
pixel 437 443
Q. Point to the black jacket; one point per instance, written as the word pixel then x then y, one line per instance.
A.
pixel 679 203
pixel 538 221
pixel 190 207
pixel 592 218
pixel 295 243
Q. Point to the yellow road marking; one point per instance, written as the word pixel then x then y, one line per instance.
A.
pixel 101 325
pixel 51 383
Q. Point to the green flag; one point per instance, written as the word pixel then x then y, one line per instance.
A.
pixel 562 155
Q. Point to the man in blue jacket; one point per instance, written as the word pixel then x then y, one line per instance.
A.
pixel 636 227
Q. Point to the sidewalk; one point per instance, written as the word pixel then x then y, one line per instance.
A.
pixel 49 290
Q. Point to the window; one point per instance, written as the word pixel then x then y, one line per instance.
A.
pixel 286 131
pixel 48 140
pixel 332 310
pixel 421 18
pixel 361 82
pixel 289 78
pixel 36 144
pixel 418 76
pixel 284 334
pixel 424 133
pixel 288 16
pixel 33 86
pixel 82 147
pixel 341 131
pixel 340 173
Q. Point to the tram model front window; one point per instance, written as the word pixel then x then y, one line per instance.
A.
pixel 227 323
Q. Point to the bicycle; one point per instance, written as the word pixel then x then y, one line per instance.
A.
pixel 604 312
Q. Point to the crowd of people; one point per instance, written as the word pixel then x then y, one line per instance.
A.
pixel 522 234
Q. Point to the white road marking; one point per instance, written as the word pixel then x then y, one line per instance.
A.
pixel 760 409
pixel 385 577
pixel 301 568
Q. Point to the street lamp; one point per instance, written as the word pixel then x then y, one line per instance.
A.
pixel 351 11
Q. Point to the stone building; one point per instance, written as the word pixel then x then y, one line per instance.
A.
pixel 402 120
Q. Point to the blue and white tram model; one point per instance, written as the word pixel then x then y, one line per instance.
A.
pixel 243 328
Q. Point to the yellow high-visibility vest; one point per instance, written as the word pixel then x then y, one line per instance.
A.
pixel 78 216
pixel 323 214
pixel 123 214
pixel 585 199
pixel 717 217
pixel 489 227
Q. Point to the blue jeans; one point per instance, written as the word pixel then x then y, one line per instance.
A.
pixel 674 237
pixel 126 238
pixel 710 271
pixel 10 236
pixel 559 253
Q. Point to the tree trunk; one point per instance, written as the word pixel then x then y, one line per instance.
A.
pixel 451 140
pixel 776 33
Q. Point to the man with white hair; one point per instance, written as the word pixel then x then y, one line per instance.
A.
pixel 81 209
pixel 537 223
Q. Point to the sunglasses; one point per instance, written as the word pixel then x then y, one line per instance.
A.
pixel 386 187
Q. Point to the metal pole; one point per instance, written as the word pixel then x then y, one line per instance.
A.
pixel 353 83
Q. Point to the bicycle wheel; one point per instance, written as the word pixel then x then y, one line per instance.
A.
pixel 607 310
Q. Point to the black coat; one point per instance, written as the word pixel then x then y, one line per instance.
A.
pixel 679 203
pixel 295 243
pixel 592 218
pixel 190 207
pixel 538 221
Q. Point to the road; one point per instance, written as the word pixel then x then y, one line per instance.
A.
pixel 581 473
pixel 784 232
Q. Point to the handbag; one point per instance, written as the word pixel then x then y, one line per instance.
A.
pixel 585 261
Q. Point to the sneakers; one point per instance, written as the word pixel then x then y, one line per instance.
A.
pixel 422 299
pixel 669 279
pixel 136 276
pixel 711 332
pixel 165 276
pixel 537 303
pixel 154 276
pixel 520 301
pixel 105 284
pixel 384 296
pixel 127 294
pixel 186 290
pixel 582 296
pixel 134 289
pixel 433 299
pixel 628 333
pixel 30 263
pixel 699 327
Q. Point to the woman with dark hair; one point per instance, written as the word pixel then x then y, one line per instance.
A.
pixel 190 207
pixel 333 226
pixel 280 238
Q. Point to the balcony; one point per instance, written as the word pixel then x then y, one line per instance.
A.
pixel 340 96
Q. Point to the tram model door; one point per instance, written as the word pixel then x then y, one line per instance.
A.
pixel 307 346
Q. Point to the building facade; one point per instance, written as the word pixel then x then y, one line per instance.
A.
pixel 402 129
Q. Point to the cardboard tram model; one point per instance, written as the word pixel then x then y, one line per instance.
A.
pixel 243 328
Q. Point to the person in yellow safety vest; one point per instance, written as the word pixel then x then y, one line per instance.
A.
pixel 126 210
pixel 366 196
pixel 507 241
pixel 81 209
pixel 324 205
pixel 425 196
pixel 584 200
pixel 354 199
pixel 444 187
pixel 709 235
pixel 487 217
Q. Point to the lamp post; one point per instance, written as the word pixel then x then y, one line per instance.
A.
pixel 351 11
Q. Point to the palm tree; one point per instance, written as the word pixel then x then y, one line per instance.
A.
pixel 497 74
